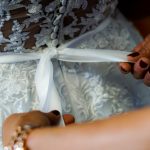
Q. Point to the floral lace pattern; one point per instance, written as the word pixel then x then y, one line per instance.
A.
pixel 87 90
pixel 37 19
pixel 17 90
pixel 93 92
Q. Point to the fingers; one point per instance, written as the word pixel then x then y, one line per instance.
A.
pixel 54 117
pixel 125 67
pixel 141 50
pixel 133 57
pixel 147 78
pixel 141 62
pixel 34 118
pixel 68 119
pixel 141 67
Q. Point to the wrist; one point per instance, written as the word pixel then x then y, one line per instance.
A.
pixel 18 140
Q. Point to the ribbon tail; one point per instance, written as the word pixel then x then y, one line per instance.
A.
pixel 93 55
pixel 54 101
pixel 44 74
pixel 46 90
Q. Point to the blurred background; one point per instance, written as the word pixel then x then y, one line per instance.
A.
pixel 137 11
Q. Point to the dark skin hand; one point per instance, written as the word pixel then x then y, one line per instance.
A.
pixel 35 119
pixel 140 68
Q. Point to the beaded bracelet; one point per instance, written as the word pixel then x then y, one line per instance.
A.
pixel 19 138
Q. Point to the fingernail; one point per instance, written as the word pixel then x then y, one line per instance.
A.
pixel 69 119
pixel 134 54
pixel 55 112
pixel 143 64
pixel 123 70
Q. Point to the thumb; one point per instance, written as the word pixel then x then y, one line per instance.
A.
pixel 68 119
pixel 54 117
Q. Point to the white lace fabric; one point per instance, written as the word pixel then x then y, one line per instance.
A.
pixel 91 90
pixel 88 91
pixel 40 23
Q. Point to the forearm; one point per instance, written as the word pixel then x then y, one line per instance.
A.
pixel 125 132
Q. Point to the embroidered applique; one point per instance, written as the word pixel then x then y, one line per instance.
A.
pixel 83 90
pixel 48 20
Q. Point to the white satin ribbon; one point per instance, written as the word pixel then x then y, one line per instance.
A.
pixel 46 90
pixel 92 55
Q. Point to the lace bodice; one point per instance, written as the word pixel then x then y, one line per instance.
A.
pixel 27 25
pixel 88 91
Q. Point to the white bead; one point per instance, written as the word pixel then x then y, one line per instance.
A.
pixel 34 9
pixel 57 20
pixel 62 9
pixel 55 42
pixel 53 36
pixel 64 2
pixel 59 17
pixel 56 28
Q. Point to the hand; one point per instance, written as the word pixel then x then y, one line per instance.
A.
pixel 128 131
pixel 140 68
pixel 35 119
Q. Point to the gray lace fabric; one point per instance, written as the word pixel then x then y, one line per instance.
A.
pixel 89 91
pixel 93 91
pixel 28 25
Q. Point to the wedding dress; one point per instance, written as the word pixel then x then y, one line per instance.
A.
pixel 89 91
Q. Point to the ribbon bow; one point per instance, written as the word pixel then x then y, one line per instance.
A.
pixel 46 89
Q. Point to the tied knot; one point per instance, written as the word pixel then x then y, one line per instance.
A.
pixel 49 53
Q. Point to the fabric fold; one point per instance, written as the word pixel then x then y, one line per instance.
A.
pixel 46 90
